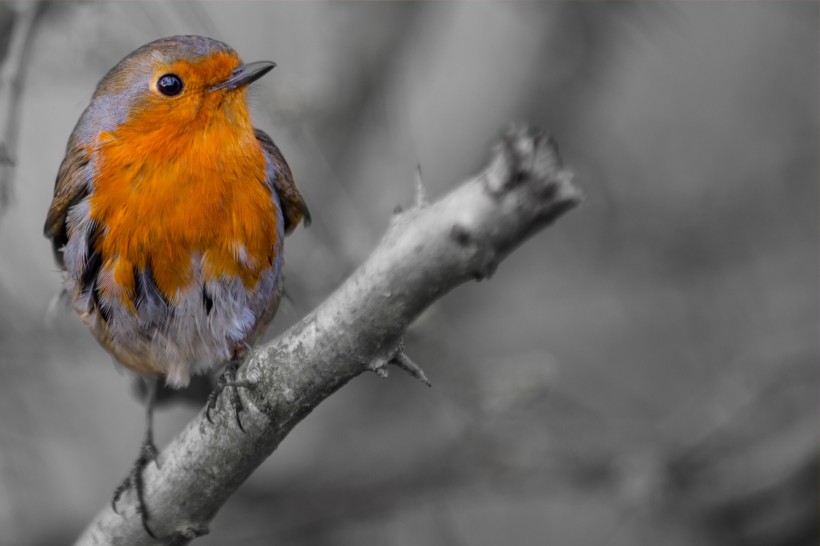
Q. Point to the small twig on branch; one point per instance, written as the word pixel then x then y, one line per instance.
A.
pixel 426 252
pixel 399 359
pixel 421 193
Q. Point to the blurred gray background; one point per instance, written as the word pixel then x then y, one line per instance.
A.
pixel 643 372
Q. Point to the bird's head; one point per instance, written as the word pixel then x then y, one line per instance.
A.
pixel 173 85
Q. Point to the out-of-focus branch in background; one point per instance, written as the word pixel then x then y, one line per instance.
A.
pixel 22 17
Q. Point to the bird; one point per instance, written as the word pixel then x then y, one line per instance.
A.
pixel 168 219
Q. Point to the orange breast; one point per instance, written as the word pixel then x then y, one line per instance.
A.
pixel 170 197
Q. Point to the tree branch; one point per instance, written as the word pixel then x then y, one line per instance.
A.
pixel 427 251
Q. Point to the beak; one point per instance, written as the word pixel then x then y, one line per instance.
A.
pixel 245 74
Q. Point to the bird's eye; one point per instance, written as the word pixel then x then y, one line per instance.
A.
pixel 169 85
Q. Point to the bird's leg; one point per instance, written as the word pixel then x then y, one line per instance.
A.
pixel 228 379
pixel 148 453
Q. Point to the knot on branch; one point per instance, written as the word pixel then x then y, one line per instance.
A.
pixel 483 256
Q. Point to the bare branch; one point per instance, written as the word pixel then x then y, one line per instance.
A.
pixel 426 252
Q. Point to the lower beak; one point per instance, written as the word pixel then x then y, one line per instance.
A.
pixel 245 74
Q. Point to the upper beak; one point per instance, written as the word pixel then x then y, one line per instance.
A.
pixel 245 74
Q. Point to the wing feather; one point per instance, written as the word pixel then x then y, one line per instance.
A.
pixel 70 188
pixel 294 207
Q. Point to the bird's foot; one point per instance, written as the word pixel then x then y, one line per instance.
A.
pixel 148 453
pixel 228 380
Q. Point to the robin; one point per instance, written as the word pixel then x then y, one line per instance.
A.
pixel 168 219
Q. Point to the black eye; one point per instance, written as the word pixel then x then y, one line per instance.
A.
pixel 169 85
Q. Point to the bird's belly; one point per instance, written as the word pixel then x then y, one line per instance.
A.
pixel 198 330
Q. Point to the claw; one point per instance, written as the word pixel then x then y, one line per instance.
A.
pixel 228 380
pixel 148 454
